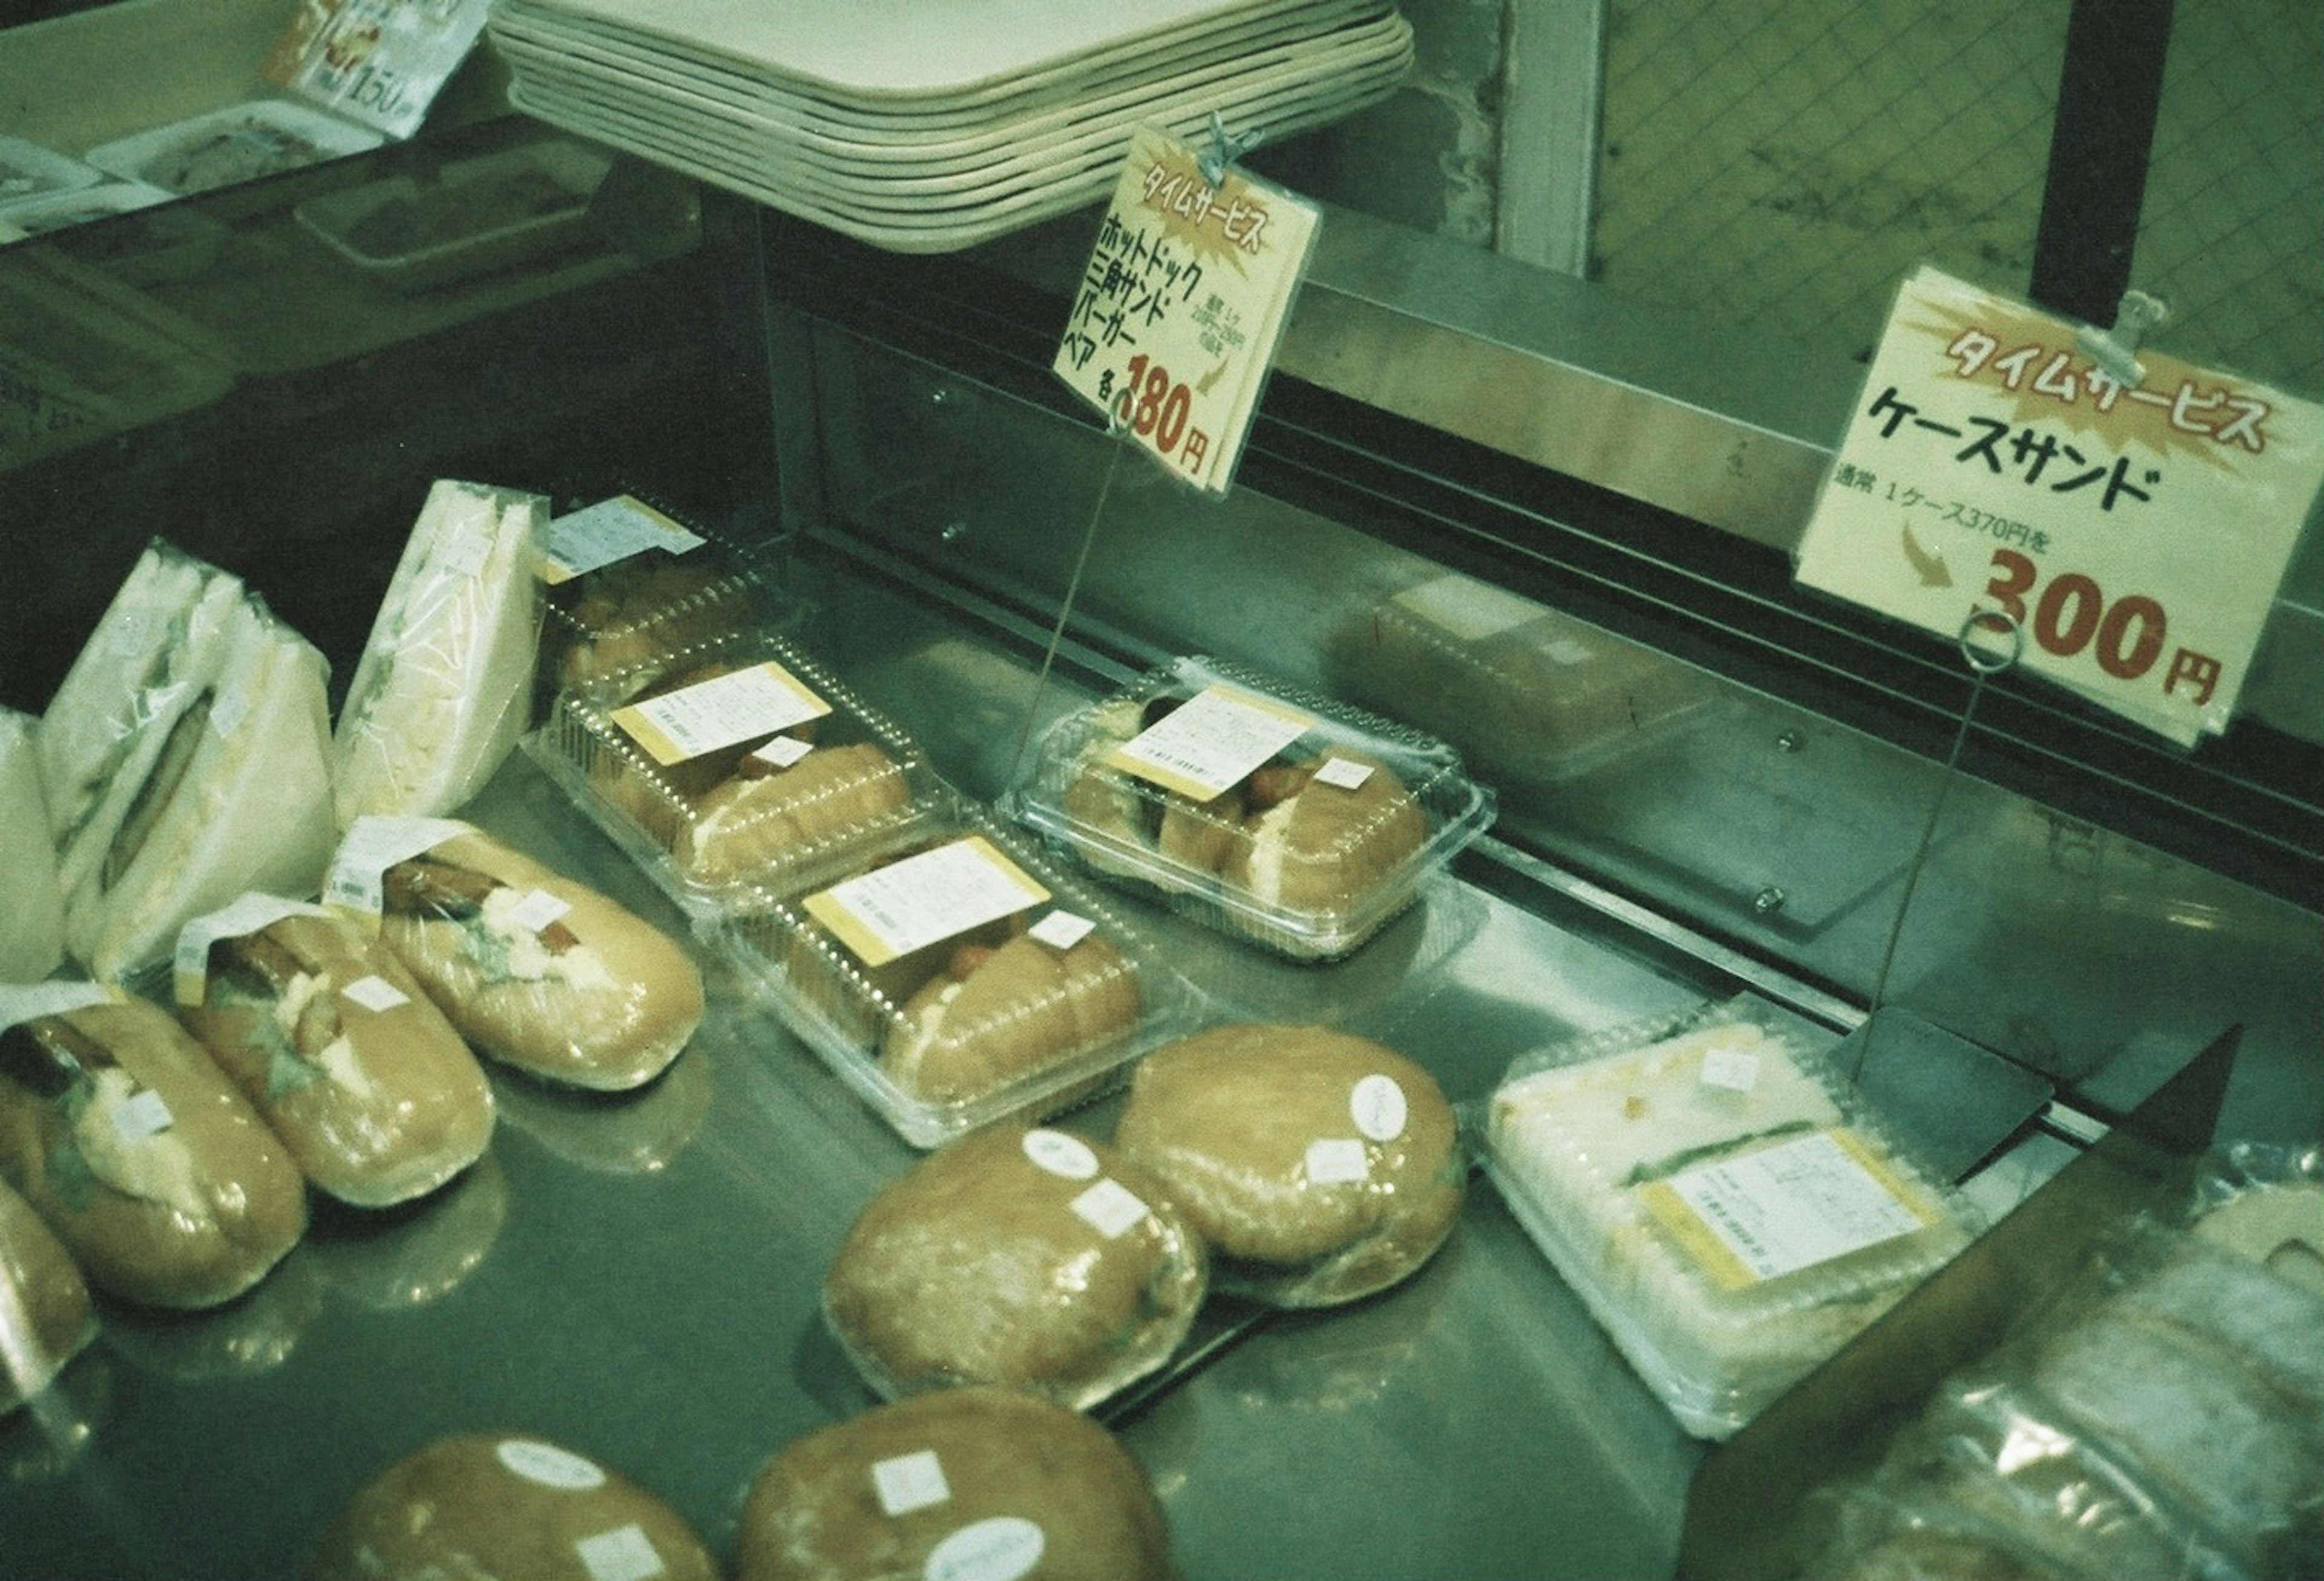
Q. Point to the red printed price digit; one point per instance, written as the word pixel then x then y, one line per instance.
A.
pixel 2072 615
pixel 1155 406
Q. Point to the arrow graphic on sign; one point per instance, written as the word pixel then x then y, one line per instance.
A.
pixel 1929 565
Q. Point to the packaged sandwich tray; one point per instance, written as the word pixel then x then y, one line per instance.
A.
pixel 735 768
pixel 1728 1208
pixel 884 975
pixel 1256 807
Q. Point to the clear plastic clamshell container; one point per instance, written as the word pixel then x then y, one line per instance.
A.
pixel 1253 807
pixel 1731 1212
pixel 628 584
pixel 736 768
pixel 956 978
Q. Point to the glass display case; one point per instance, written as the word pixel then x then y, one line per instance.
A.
pixel 1512 488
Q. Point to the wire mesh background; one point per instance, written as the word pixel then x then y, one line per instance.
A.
pixel 1785 163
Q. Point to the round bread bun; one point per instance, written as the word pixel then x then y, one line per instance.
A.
pixel 1311 846
pixel 598 997
pixel 999 1016
pixel 907 1489
pixel 505 1507
pixel 1318 1165
pixel 45 1310
pixel 1025 1257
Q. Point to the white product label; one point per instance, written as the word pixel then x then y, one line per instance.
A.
pixel 924 899
pixel 1212 741
pixel 1062 929
pixel 141 1114
pixel 1110 1208
pixel 246 913
pixel 906 1482
pixel 783 751
pixel 1735 1069
pixel 1066 1156
pixel 376 993
pixel 724 711
pixel 1337 1161
pixel 1342 773
pixel 1377 1107
pixel 379 62
pixel 539 910
pixel 134 630
pixel 22 1002
pixel 374 844
pixel 549 1465
pixel 623 1554
pixel 1467 609
pixel 463 555
pixel 600 535
pixel 1791 1206
pixel 1001 1548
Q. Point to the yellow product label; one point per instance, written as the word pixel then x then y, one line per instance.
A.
pixel 1212 742
pixel 724 711
pixel 924 899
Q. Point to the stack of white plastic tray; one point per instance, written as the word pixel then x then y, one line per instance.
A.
pixel 924 128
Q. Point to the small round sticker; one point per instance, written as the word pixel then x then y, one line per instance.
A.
pixel 1377 1107
pixel 1069 1157
pixel 1002 1548
pixel 549 1465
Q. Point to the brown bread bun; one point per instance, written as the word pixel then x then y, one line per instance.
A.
pixel 44 1306
pixel 598 999
pixel 1024 1257
pixel 1313 847
pixel 504 1507
pixel 1238 1122
pixel 893 1493
pixel 757 823
pixel 999 1016
pixel 378 1106
pixel 157 1175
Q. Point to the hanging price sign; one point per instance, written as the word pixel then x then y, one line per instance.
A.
pixel 2136 534
pixel 1174 323
pixel 377 62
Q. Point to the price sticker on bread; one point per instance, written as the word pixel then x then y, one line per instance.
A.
pixel 1211 742
pixel 1174 323
pixel 724 711
pixel 924 899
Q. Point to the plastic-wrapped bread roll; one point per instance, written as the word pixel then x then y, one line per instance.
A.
pixel 217 779
pixel 444 687
pixel 1316 843
pixel 943 1483
pixel 1319 1166
pixel 502 1507
pixel 994 1015
pixel 332 1040
pixel 1190 839
pixel 33 927
pixel 534 969
pixel 764 815
pixel 160 1179
pixel 45 1314
pixel 1029 1259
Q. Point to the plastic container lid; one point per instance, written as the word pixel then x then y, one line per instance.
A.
pixel 1730 1209
pixel 739 768
pixel 28 172
pixel 1253 807
pixel 955 978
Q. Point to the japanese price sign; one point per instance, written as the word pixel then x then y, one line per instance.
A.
pixel 2135 535
pixel 377 62
pixel 1176 320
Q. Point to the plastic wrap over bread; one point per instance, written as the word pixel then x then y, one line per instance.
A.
pixel 32 928
pixel 507 1507
pixel 335 1044
pixel 536 970
pixel 1318 1166
pixel 444 687
pixel 186 756
pixel 46 1317
pixel 1730 1208
pixel 163 1182
pixel 1024 1257
pixel 968 1482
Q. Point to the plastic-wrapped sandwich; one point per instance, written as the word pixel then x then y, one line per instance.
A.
pixel 444 687
pixel 535 970
pixel 45 1314
pixel 333 1041
pixel 33 926
pixel 161 1181
pixel 186 759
